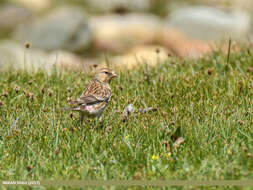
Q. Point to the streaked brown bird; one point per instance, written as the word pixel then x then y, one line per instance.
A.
pixel 95 96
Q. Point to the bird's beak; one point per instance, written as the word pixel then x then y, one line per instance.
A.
pixel 114 75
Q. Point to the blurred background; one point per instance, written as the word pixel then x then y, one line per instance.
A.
pixel 78 33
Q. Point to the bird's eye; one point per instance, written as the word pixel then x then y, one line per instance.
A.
pixel 106 72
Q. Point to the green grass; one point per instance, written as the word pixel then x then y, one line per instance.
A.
pixel 206 102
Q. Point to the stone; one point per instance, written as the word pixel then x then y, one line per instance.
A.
pixel 118 33
pixel 140 55
pixel 181 46
pixel 12 15
pixel 16 56
pixel 64 28
pixel 209 23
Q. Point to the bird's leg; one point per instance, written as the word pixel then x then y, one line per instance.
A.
pixel 81 118
pixel 100 120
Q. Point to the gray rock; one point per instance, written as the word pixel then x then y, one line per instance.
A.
pixel 64 28
pixel 207 23
pixel 12 15
pixel 16 56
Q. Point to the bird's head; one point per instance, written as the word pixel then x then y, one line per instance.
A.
pixel 105 75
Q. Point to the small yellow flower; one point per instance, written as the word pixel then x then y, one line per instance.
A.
pixel 229 152
pixel 126 137
pixel 155 157
pixel 168 155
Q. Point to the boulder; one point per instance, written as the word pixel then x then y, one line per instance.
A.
pixel 12 15
pixel 138 56
pixel 16 56
pixel 209 23
pixel 64 28
pixel 118 33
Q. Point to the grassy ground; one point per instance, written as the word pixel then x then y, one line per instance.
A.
pixel 207 102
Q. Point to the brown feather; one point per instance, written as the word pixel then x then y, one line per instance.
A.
pixel 96 94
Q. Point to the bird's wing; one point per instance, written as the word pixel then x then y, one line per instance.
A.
pixel 89 100
pixel 94 93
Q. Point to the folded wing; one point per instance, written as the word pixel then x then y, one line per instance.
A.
pixel 93 94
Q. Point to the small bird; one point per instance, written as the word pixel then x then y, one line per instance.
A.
pixel 95 96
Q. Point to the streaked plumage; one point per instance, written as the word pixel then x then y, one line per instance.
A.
pixel 95 96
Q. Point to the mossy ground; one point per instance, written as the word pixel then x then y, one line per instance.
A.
pixel 207 102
